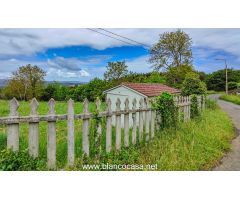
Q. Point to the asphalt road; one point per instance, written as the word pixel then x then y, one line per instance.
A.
pixel 231 161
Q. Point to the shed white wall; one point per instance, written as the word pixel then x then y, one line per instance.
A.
pixel 122 93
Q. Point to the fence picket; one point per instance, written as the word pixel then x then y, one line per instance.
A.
pixel 147 118
pixel 51 144
pixel 99 129
pixel 126 123
pixel 13 128
pixel 146 124
pixel 109 127
pixel 85 129
pixel 134 118
pixel 70 124
pixel 185 109
pixel 141 106
pixel 153 118
pixel 118 125
pixel 199 103
pixel 189 107
pixel 33 138
pixel 203 102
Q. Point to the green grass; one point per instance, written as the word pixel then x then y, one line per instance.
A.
pixel 195 145
pixel 214 92
pixel 61 126
pixel 231 98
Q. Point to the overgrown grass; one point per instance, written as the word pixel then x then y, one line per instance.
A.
pixel 196 145
pixel 231 98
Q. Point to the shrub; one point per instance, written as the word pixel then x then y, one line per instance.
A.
pixel 19 161
pixel 193 85
pixel 232 85
pixel 194 106
pixel 55 90
pixel 166 109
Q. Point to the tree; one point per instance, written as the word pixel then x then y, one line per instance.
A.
pixel 91 90
pixel 217 80
pixel 176 75
pixel 55 90
pixel 155 77
pixel 27 82
pixel 174 49
pixel 115 70
pixel 193 85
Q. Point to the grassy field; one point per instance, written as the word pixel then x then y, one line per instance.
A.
pixel 195 145
pixel 231 98
pixel 61 108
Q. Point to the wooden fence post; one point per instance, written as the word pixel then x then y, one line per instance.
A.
pixel 126 123
pixel 109 127
pixel 99 129
pixel 33 139
pixel 147 118
pixel 153 118
pixel 13 128
pixel 70 124
pixel 177 102
pixel 85 129
pixel 199 103
pixel 185 109
pixel 182 107
pixel 189 107
pixel 186 104
pixel 118 125
pixel 51 145
pixel 141 120
pixel 134 117
pixel 203 102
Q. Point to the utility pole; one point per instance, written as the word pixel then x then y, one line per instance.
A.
pixel 226 74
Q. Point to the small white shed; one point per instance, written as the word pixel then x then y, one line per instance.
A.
pixel 135 90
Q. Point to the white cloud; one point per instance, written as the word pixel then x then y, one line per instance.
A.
pixel 62 73
pixel 30 41
pixel 66 69
pixel 17 42
pixel 139 64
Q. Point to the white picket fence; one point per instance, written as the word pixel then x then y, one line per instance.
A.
pixel 145 127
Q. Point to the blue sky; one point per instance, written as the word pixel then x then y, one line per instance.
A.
pixel 80 54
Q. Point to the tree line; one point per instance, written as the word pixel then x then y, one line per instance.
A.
pixel 171 59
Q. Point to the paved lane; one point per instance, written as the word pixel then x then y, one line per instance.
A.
pixel 231 162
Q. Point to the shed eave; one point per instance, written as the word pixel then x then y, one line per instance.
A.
pixel 106 91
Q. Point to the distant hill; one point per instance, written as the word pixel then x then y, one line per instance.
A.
pixel 3 82
pixel 67 83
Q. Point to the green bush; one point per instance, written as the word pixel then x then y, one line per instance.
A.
pixel 20 161
pixel 195 112
pixel 193 85
pixel 166 109
pixel 232 85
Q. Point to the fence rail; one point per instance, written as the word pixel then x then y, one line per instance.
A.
pixel 145 126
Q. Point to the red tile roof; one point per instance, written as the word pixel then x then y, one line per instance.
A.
pixel 151 89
